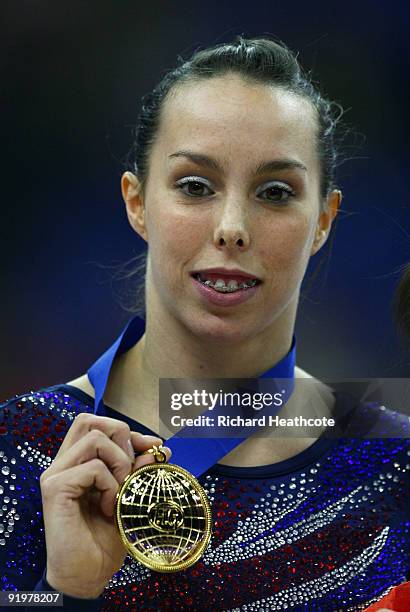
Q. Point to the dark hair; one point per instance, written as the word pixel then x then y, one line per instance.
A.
pixel 258 60
pixel 402 302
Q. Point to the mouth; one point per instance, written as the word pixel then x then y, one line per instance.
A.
pixel 226 281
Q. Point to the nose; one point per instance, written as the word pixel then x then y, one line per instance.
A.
pixel 231 231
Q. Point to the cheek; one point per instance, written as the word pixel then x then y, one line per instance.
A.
pixel 286 254
pixel 289 241
pixel 175 236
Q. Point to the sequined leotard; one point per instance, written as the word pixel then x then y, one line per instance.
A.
pixel 327 529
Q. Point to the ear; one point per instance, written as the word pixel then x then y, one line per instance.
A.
pixel 325 220
pixel 131 189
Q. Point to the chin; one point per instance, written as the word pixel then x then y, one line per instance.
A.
pixel 222 328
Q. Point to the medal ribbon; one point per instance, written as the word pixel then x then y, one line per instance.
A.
pixel 194 454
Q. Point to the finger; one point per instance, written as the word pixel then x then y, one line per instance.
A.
pixel 142 460
pixel 142 442
pixel 95 444
pixel 117 431
pixel 64 487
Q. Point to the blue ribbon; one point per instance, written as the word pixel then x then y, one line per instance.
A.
pixel 194 454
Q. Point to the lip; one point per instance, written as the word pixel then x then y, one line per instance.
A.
pixel 211 296
pixel 226 272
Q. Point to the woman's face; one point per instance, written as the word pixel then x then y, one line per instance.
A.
pixel 233 184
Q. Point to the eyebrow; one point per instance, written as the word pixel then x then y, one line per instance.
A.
pixel 213 164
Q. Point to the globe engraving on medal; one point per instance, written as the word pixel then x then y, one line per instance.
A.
pixel 164 517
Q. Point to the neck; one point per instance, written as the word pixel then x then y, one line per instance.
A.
pixel 173 351
pixel 169 349
pixel 176 353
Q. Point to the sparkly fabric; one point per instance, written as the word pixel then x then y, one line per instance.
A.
pixel 327 530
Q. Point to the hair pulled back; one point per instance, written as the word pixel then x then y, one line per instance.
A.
pixel 259 60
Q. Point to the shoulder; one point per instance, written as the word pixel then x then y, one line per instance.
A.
pixel 357 417
pixel 41 419
pixel 374 420
pixel 83 383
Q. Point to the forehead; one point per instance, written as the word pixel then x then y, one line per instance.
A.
pixel 236 118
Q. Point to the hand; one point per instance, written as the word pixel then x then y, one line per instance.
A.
pixel 84 549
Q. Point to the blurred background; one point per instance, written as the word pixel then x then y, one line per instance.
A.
pixel 72 74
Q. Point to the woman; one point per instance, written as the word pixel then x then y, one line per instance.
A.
pixel 233 190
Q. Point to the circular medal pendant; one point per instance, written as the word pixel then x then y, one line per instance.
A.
pixel 163 516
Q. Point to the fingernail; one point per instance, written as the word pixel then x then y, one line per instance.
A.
pixel 131 451
pixel 157 440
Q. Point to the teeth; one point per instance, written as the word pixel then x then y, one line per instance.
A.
pixel 232 285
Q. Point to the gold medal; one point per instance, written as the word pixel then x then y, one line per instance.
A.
pixel 163 515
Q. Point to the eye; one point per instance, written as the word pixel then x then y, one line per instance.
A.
pixel 194 186
pixel 276 192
